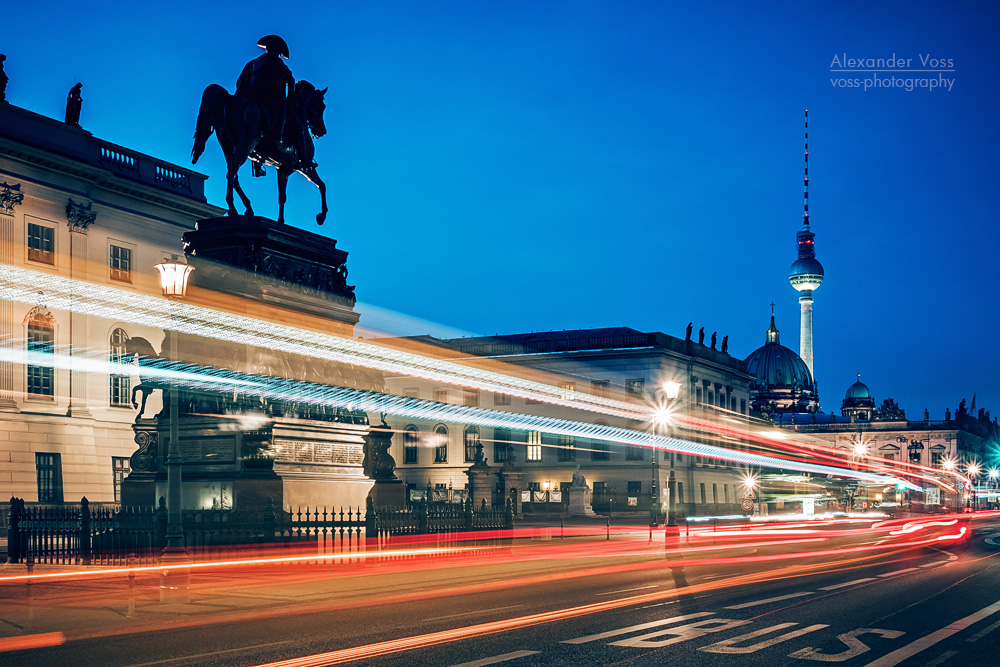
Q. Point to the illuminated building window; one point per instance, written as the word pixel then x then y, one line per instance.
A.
pixel 120 382
pixel 534 445
pixel 567 389
pixel 41 244
pixel 441 451
pixel 635 453
pixel 534 486
pixel 48 470
pixel 635 389
pixel 501 399
pixel 600 388
pixel 121 263
pixel 120 469
pixel 470 397
pixel 410 441
pixel 501 445
pixel 471 442
pixel 441 395
pixel 567 448
pixel 41 341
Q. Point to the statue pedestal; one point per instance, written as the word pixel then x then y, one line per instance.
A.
pixel 388 493
pixel 481 481
pixel 513 480
pixel 579 502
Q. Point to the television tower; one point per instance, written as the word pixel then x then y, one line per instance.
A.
pixel 806 273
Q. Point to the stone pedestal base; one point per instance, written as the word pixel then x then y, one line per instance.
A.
pixel 579 502
pixel 512 481
pixel 481 481
pixel 388 493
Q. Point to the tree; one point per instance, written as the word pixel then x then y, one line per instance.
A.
pixel 889 411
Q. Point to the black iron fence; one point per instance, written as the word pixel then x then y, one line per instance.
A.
pixel 112 535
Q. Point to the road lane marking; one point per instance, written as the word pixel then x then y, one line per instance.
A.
pixel 497 659
pixel 635 628
pixel 470 613
pixel 205 655
pixel 629 590
pixel 729 645
pixel 934 564
pixel 893 574
pixel 940 659
pixel 768 600
pixel 982 633
pixel 849 583
pixel 911 649
pixel 992 540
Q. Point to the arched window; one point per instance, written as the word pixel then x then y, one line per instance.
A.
pixel 471 442
pixel 501 444
pixel 441 451
pixel 120 379
pixel 410 441
pixel 41 343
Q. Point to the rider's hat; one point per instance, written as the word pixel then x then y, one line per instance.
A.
pixel 274 43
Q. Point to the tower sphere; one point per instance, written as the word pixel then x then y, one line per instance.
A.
pixel 806 274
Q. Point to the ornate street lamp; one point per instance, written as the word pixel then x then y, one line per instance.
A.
pixel 174 276
pixel 663 418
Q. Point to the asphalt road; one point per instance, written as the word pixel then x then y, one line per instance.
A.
pixel 586 604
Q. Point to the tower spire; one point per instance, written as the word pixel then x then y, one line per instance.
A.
pixel 806 273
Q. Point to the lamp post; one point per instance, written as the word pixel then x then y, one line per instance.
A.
pixel 993 474
pixel 671 390
pixel 973 470
pixel 173 281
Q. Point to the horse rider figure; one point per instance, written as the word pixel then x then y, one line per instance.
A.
pixel 267 82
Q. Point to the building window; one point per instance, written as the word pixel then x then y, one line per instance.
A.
pixel 600 451
pixel 697 396
pixel 937 459
pixel 119 381
pixel 441 395
pixel 566 390
pixel 633 488
pixel 410 441
pixel 441 451
pixel 48 468
pixel 710 398
pixel 411 392
pixel 567 448
pixel 471 442
pixel 635 453
pixel 680 492
pixel 725 492
pixel 121 263
pixel 501 399
pixel 703 500
pixel 41 244
pixel 470 397
pixel 733 406
pixel 120 469
pixel 715 494
pixel 635 389
pixel 501 445
pixel 600 388
pixel 534 445
pixel 743 406
pixel 41 341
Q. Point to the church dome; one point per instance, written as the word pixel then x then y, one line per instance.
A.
pixel 858 391
pixel 781 377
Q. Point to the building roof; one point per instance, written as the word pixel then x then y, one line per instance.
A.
pixel 775 366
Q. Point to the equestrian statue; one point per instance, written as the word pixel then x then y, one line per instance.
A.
pixel 271 119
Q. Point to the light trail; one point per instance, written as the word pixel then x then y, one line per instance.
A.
pixel 203 378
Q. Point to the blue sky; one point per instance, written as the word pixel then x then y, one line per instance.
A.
pixel 499 167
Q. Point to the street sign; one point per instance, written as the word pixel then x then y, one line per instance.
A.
pixel 747 504
pixel 748 493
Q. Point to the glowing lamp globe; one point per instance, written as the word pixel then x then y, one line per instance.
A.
pixel 672 389
pixel 174 277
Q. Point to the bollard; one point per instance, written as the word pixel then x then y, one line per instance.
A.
pixel 131 587
pixel 609 530
pixel 562 526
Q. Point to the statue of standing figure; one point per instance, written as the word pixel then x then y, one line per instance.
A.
pixel 74 103
pixel 3 80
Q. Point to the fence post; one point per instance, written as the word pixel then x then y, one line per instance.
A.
pixel 371 535
pixel 422 517
pixel 468 514
pixel 161 525
pixel 14 531
pixel 269 521
pixel 508 515
pixel 85 554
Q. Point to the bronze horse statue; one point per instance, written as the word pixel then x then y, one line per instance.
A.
pixel 145 351
pixel 239 128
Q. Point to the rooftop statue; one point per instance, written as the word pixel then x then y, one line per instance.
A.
pixel 3 80
pixel 271 119
pixel 74 102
